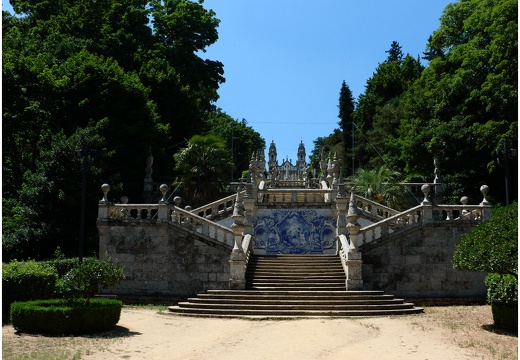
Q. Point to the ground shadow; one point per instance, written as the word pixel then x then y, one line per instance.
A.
pixel 492 328
pixel 116 332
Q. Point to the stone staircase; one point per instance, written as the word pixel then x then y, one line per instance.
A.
pixel 294 286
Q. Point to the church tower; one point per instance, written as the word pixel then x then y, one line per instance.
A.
pixel 273 158
pixel 301 163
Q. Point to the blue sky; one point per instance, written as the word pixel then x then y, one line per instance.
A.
pixel 284 61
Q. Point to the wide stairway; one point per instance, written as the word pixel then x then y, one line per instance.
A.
pixel 294 286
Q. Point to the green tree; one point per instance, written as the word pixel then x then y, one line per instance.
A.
pixel 380 185
pixel 346 109
pixel 491 246
pixel 241 140
pixel 466 100
pixel 380 109
pixel 120 76
pixel 204 166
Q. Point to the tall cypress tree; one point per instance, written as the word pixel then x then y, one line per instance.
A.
pixel 346 109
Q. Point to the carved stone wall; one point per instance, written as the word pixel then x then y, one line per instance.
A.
pixel 163 260
pixel 419 265
pixel 294 231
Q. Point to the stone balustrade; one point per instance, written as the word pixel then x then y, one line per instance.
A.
pixel 376 210
pixel 201 225
pixel 389 225
pixel 291 196
pixel 428 213
pixel 217 210
pixel 162 213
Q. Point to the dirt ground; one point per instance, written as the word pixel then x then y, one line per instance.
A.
pixel 443 333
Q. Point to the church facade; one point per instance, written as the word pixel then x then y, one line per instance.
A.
pixel 287 170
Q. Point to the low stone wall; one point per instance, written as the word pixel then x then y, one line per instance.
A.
pixel 419 265
pixel 163 260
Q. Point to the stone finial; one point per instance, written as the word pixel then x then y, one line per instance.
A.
pixel 464 200
pixel 105 188
pixel 238 226
pixel 484 189
pixel 177 200
pixel 352 214
pixel 426 191
pixel 164 190
pixel 124 199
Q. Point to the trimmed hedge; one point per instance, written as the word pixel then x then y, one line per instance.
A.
pixel 27 280
pixel 503 297
pixel 65 316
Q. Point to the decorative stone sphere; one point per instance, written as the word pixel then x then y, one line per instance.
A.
pixel 105 188
pixel 484 189
pixel 124 199
pixel 464 200
pixel 177 200
pixel 188 208
pixel 164 188
pixel 425 189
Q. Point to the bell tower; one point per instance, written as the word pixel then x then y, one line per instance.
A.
pixel 301 163
pixel 273 162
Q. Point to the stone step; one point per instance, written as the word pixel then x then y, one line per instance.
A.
pixel 307 301
pixel 268 313
pixel 294 286
pixel 370 294
pixel 281 307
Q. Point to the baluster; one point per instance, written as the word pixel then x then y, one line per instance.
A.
pixel 148 214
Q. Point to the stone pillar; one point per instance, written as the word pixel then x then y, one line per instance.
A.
pixel 427 213
pixel 341 210
pixel 237 259
pixel 104 204
pixel 162 214
pixel 486 205
pixel 354 259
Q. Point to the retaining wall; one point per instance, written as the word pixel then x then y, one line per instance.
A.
pixel 419 265
pixel 163 260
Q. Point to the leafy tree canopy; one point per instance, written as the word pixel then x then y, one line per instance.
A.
pixel 204 166
pixel 493 245
pixel 118 76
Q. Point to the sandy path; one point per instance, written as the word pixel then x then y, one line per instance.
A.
pixel 156 336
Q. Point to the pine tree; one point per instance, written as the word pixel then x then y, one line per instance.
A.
pixel 346 109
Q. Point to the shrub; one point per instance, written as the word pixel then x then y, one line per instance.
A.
pixel 491 246
pixel 503 297
pixel 65 316
pixel 84 279
pixel 502 290
pixel 26 280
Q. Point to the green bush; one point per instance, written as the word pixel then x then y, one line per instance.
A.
pixel 503 297
pixel 65 316
pixel 84 279
pixel 491 246
pixel 502 290
pixel 26 280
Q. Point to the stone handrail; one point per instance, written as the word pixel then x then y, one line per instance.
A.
pixel 388 225
pixel 373 208
pixel 281 196
pixel 218 209
pixel 133 212
pixel 421 214
pixel 167 213
pixel 458 212
pixel 201 225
